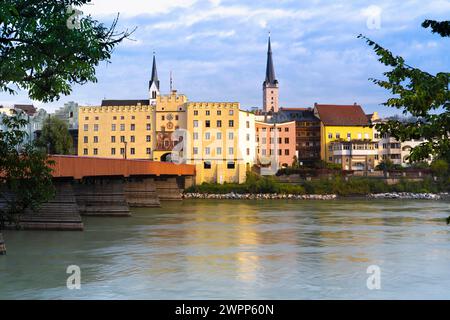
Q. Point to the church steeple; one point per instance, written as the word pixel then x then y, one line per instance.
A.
pixel 270 84
pixel 270 70
pixel 154 83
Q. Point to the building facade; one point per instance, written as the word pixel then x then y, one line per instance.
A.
pixel 346 137
pixel 275 143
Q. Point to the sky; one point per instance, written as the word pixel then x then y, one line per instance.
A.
pixel 216 49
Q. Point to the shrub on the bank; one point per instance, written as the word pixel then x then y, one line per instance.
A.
pixel 355 186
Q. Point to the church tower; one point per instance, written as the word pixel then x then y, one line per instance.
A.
pixel 270 85
pixel 154 83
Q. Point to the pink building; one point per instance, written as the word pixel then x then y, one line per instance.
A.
pixel 275 142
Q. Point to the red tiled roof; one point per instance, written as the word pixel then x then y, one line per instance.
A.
pixel 29 109
pixel 341 115
pixel 295 109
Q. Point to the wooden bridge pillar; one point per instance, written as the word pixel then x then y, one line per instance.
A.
pixel 141 192
pixel 2 246
pixel 102 196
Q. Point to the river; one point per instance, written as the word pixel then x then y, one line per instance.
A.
pixel 206 249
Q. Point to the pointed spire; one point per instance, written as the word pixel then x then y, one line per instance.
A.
pixel 154 78
pixel 270 71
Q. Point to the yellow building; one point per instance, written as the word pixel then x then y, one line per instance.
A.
pixel 117 129
pixel 346 138
pixel 170 115
pixel 214 144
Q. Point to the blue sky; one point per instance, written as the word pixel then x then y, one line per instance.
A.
pixel 216 49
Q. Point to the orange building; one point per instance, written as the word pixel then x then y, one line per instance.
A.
pixel 275 142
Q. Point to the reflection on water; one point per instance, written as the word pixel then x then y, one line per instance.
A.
pixel 201 249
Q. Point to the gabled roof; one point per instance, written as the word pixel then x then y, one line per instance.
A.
pixel 116 103
pixel 29 109
pixel 341 115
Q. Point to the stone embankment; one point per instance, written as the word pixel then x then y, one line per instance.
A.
pixel 2 246
pixel 408 195
pixel 259 196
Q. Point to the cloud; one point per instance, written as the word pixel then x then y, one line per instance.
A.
pixel 131 8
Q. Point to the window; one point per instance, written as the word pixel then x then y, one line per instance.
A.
pixel 195 123
pixel 230 136
pixel 113 139
pixel 86 118
pixel 219 123
pixel 248 137
pixel 207 136
pixel 163 118
pixel 206 165
pixel 113 127
pixel 231 165
pixel 219 136
pixel 280 152
pixel 286 129
pixel 149 127
pixel 132 151
pixel 207 123
pixel 248 151
pixel 96 118
pixel 195 151
pixel 366 136
pixel 122 127
pixel 286 152
pixel 286 140
pixel 231 123
pixel 148 151
pixel 195 113
pixel 133 117
pixel 113 151
pixel 264 140
pixel 230 150
pixel 195 135
pixel 132 139
pixel 280 140
pixel 219 151
pixel 330 136
pixel 86 127
pixel 349 135
pixel 359 136
pixel 132 127
pixel 176 117
pixel 207 151
pixel 122 118
pixel 219 112
pixel 95 151
pixel 148 138
pixel 248 124
pixel 85 139
pixel 338 135
pixel 122 139
pixel 114 118
pixel 231 112
pixel 122 151
pixel 85 151
pixel 148 117
pixel 95 139
pixel 208 112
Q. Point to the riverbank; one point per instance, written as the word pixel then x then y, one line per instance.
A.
pixel 276 196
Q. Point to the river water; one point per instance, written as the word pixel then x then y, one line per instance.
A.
pixel 207 249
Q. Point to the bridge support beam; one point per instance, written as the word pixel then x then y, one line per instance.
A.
pixel 60 213
pixel 2 246
pixel 102 196
pixel 169 188
pixel 141 192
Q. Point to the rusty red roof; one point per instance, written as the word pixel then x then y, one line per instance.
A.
pixel 341 115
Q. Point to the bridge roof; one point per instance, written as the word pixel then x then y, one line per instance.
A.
pixel 79 167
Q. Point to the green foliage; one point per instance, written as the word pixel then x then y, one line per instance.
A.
pixel 439 167
pixel 26 180
pixel 41 54
pixel 424 96
pixel 55 136
pixel 387 164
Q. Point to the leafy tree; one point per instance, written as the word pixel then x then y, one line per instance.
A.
pixel 25 180
pixel 55 136
pixel 439 167
pixel 43 51
pixel 426 97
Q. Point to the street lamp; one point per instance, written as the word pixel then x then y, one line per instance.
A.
pixel 125 154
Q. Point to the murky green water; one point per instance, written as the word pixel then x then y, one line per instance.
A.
pixel 232 250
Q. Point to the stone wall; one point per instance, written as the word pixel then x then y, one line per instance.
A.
pixel 169 188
